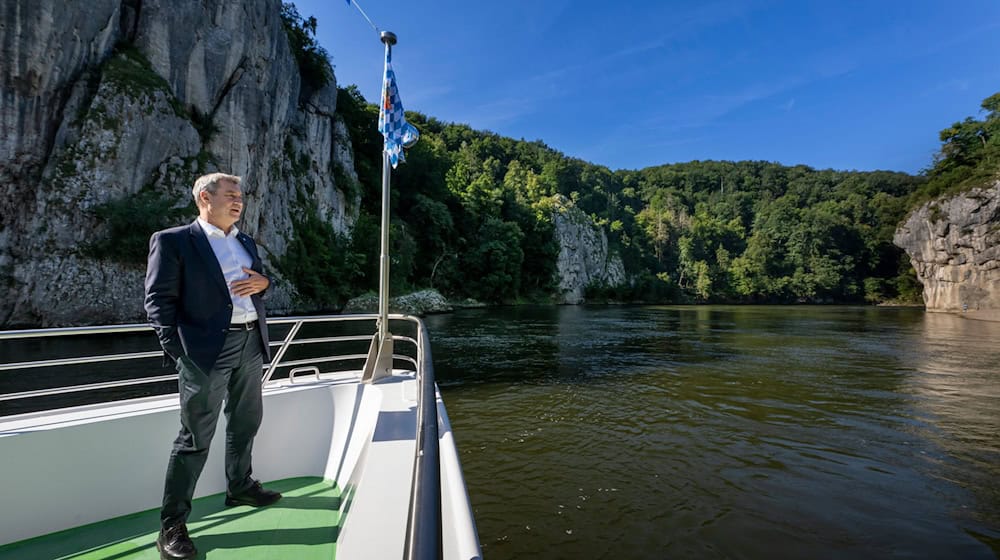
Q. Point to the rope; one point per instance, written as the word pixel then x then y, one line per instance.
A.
pixel 368 19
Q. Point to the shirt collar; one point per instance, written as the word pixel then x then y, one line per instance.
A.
pixel 212 231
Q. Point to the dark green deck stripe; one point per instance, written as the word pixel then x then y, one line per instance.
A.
pixel 304 525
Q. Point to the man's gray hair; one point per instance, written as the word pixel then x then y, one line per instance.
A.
pixel 210 183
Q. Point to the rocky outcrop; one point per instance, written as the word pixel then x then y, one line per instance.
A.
pixel 422 302
pixel 954 245
pixel 584 259
pixel 111 99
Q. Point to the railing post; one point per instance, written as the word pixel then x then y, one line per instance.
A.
pixel 281 351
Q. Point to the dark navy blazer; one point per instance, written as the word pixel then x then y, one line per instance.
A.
pixel 187 299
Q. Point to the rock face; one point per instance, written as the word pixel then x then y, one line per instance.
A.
pixel 110 99
pixel 954 245
pixel 583 254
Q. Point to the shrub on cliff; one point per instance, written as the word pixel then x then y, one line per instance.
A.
pixel 969 155
pixel 313 60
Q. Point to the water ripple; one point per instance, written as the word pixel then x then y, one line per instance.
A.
pixel 725 432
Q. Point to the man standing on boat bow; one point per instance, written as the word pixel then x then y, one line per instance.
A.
pixel 204 283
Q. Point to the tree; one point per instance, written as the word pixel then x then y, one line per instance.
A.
pixel 494 261
pixel 320 263
pixel 313 60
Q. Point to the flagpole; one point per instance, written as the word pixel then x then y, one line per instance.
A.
pixel 389 38
pixel 398 134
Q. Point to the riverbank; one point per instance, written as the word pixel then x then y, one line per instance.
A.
pixel 426 302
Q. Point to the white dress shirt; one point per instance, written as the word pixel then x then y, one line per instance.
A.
pixel 232 257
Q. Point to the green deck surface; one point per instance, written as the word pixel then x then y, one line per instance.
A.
pixel 303 525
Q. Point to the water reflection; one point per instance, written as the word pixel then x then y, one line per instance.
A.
pixel 958 396
pixel 750 432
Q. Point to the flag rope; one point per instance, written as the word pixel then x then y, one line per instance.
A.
pixel 368 19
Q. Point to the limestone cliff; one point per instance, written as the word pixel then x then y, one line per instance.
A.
pixel 105 100
pixel 583 254
pixel 954 245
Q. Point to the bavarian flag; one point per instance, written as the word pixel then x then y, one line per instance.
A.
pixel 392 123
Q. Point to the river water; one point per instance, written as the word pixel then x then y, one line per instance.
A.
pixel 725 432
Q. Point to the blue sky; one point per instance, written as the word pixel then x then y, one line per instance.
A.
pixel 836 84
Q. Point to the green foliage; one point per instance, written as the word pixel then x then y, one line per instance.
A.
pixel 361 121
pixel 402 256
pixel 761 232
pixel 130 72
pixel 539 247
pixel 701 231
pixel 128 222
pixel 907 287
pixel 969 155
pixel 875 289
pixel 298 161
pixel 600 292
pixel 494 261
pixel 478 209
pixel 347 184
pixel 313 60
pixel 366 244
pixel 320 262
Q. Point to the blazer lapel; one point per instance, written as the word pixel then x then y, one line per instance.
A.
pixel 211 262
pixel 248 244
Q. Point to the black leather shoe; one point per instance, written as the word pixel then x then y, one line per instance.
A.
pixel 255 496
pixel 175 544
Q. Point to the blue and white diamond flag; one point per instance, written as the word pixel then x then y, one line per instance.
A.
pixel 392 123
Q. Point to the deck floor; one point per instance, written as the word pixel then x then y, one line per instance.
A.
pixel 304 525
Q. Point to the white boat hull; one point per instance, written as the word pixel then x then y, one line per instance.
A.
pixel 81 465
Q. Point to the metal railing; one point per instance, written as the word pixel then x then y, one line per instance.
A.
pixel 277 361
pixel 423 528
pixel 424 535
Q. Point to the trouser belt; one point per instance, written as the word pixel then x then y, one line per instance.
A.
pixel 248 326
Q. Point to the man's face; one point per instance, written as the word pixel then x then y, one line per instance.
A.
pixel 225 206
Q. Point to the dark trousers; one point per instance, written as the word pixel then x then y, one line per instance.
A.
pixel 236 378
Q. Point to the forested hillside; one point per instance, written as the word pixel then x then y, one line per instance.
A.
pixel 472 217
